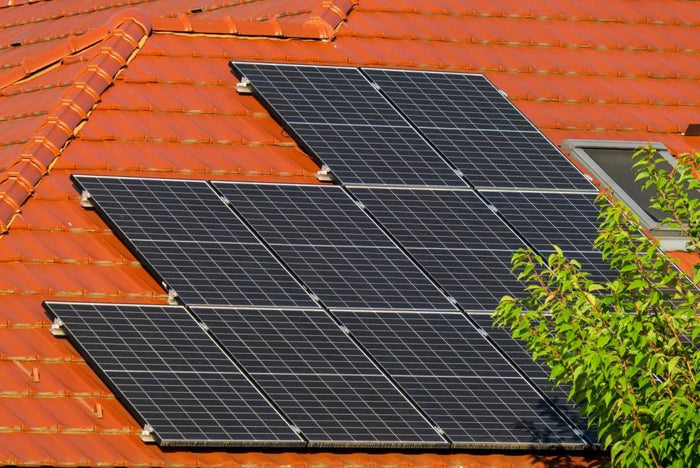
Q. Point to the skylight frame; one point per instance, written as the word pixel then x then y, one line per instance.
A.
pixel 670 238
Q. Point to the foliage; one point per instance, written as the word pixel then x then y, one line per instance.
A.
pixel 630 347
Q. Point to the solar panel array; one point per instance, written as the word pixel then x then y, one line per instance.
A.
pixel 334 247
pixel 173 375
pixel 319 378
pixel 404 259
pixel 454 236
pixel 458 378
pixel 478 130
pixel 193 242
pixel 344 122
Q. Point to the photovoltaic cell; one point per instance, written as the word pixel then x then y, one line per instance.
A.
pixel 348 267
pixel 454 237
pixel 340 119
pixel 320 378
pixel 173 377
pixel 193 242
pixel 459 379
pixel 478 130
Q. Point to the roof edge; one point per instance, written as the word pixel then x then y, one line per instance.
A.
pixel 321 23
pixel 120 39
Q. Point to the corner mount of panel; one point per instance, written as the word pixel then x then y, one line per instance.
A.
pixel 325 174
pixel 244 87
pixel 172 297
pixel 86 199
pixel 147 434
pixel 57 327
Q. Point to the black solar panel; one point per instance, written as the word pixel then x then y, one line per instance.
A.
pixel 564 219
pixel 303 214
pixel 477 279
pixel 341 120
pixel 449 100
pixel 536 371
pixel 173 377
pixel 478 130
pixel 319 378
pixel 513 160
pixel 165 210
pixel 454 236
pixel 458 379
pixel 194 243
pixel 357 270
pixel 444 219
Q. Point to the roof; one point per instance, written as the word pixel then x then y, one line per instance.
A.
pixel 144 88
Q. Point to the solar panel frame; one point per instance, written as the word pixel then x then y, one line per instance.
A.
pixel 320 378
pixel 354 117
pixel 219 393
pixel 443 354
pixel 211 267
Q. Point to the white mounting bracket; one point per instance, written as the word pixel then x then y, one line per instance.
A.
pixel 325 174
pixel 86 200
pixel 244 87
pixel 502 93
pixel 172 297
pixel 57 328
pixel 147 434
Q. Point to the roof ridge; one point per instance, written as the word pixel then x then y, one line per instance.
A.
pixel 320 23
pixel 120 39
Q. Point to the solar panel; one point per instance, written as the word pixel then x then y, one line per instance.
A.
pixel 348 267
pixel 459 379
pixel 339 118
pixel 320 378
pixel 172 376
pixel 193 242
pixel 445 219
pixel 449 100
pixel 537 372
pixel 478 130
pixel 454 237
pixel 564 219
